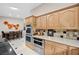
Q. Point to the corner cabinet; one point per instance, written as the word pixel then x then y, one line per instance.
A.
pixel 69 18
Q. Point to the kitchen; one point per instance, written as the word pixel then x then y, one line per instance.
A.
pixel 51 29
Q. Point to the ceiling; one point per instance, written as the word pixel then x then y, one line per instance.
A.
pixel 17 10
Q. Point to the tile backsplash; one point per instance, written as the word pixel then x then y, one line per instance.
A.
pixel 69 34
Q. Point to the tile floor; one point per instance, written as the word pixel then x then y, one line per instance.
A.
pixel 19 47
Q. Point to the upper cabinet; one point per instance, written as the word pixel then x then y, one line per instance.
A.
pixel 41 22
pixel 69 18
pixel 53 21
pixel 38 23
pixel 31 20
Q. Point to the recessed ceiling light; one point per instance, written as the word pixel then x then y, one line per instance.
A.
pixel 13 8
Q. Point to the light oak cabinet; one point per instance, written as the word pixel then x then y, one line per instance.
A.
pixel 69 18
pixel 53 21
pixel 31 21
pixel 49 48
pixel 41 22
pixel 38 23
pixel 73 51
pixel 60 51
pixel 63 19
pixel 54 48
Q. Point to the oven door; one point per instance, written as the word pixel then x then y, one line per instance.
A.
pixel 38 43
pixel 28 38
pixel 28 30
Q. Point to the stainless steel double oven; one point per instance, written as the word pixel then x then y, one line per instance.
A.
pixel 28 34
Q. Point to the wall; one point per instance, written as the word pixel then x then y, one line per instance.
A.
pixel 49 7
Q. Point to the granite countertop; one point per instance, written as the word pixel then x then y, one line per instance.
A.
pixel 70 42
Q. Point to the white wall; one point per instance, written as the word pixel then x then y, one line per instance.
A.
pixel 48 7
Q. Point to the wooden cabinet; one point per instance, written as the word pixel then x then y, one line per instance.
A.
pixel 69 18
pixel 60 50
pixel 63 19
pixel 38 23
pixel 49 48
pixel 53 48
pixel 73 51
pixel 53 21
pixel 32 21
pixel 29 20
pixel 41 22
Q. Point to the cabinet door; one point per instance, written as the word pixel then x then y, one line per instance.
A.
pixel 53 21
pixel 69 18
pixel 73 51
pixel 29 20
pixel 38 22
pixel 60 51
pixel 49 49
pixel 43 22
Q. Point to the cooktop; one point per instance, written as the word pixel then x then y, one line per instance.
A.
pixel 6 49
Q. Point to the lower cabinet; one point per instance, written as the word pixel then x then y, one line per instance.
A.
pixel 60 51
pixel 73 51
pixel 49 49
pixel 54 48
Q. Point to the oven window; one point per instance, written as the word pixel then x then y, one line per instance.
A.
pixel 28 38
pixel 38 43
pixel 28 30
